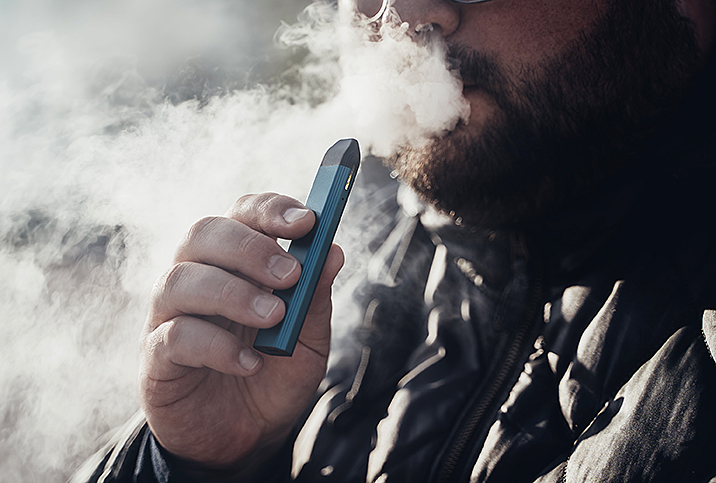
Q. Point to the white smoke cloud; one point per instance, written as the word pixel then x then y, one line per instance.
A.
pixel 104 167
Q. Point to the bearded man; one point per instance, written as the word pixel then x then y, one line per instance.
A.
pixel 561 329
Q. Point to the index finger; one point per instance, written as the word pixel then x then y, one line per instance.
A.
pixel 275 215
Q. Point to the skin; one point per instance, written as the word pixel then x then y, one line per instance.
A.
pixel 208 397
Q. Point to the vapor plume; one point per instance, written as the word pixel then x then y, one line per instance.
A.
pixel 124 122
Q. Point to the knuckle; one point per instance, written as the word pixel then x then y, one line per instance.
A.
pixel 145 344
pixel 163 298
pixel 230 292
pixel 169 336
pixel 245 200
pixel 252 201
pixel 157 343
pixel 264 201
pixel 256 205
pixel 216 348
pixel 201 229
pixel 264 206
pixel 248 244
pixel 169 284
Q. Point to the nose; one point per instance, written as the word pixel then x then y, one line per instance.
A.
pixel 441 15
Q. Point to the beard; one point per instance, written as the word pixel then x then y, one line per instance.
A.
pixel 564 126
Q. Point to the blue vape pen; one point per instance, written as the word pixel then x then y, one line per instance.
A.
pixel 327 198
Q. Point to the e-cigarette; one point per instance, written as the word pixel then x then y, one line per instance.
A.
pixel 327 198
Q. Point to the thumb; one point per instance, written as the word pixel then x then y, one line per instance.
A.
pixel 316 331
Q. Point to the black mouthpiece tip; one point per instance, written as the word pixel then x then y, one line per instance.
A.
pixel 345 152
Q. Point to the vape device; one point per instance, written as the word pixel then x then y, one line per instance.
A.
pixel 327 198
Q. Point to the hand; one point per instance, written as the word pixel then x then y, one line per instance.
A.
pixel 207 395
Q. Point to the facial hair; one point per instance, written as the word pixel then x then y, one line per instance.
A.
pixel 565 126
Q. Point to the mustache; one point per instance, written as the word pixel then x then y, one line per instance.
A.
pixel 478 69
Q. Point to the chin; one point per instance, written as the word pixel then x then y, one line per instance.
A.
pixel 466 174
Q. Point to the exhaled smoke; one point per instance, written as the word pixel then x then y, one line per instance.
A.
pixel 106 161
pixel 389 84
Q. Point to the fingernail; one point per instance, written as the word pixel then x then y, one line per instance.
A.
pixel 264 305
pixel 293 214
pixel 248 359
pixel 281 266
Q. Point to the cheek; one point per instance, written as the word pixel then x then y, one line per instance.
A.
pixel 522 33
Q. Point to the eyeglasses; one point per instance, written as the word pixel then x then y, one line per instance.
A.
pixel 385 4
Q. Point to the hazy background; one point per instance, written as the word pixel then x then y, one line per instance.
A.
pixel 83 85
pixel 122 122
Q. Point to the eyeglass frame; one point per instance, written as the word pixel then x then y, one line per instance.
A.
pixel 386 3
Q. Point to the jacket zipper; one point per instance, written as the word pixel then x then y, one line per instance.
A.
pixel 476 416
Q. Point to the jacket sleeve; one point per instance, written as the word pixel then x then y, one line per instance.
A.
pixel 133 455
pixel 116 461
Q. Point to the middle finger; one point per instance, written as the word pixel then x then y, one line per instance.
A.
pixel 205 290
pixel 234 247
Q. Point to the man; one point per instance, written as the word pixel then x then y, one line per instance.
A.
pixel 560 330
